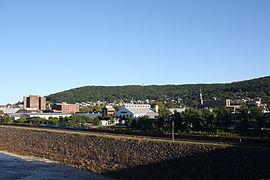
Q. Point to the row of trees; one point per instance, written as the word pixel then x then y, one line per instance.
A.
pixel 219 119
pixel 247 120
pixel 72 121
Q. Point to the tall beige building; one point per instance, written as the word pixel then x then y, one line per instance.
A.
pixel 35 102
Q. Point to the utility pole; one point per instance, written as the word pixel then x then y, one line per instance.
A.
pixel 172 129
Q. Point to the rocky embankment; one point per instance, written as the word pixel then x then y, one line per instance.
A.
pixel 139 159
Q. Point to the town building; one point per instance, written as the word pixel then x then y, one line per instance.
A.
pixel 93 115
pixel 65 108
pixel 17 116
pixel 48 115
pixel 257 102
pixel 239 101
pixel 108 111
pixel 104 123
pixel 29 110
pixel 234 108
pixel 9 110
pixel 35 102
pixel 2 113
pixel 216 103
pixel 178 110
pixel 137 110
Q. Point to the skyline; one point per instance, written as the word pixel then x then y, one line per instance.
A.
pixel 47 47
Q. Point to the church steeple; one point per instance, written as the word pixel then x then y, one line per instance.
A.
pixel 201 97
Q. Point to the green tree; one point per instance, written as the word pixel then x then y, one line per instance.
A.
pixel 257 114
pixel 163 120
pixel 224 117
pixel 53 121
pixel 95 121
pixel 146 124
pixel 194 119
pixel 22 120
pixel 209 120
pixel 247 120
pixel 7 119
pixel 160 105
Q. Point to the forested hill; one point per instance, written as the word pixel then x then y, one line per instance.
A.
pixel 259 87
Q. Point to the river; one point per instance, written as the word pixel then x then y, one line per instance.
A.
pixel 13 167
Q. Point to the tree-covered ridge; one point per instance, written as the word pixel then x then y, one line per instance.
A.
pixel 259 87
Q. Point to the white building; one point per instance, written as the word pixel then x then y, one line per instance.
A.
pixel 89 114
pixel 137 110
pixel 17 116
pixel 179 110
pixel 48 115
pixel 104 123
pixel 8 110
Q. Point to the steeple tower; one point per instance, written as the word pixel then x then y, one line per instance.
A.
pixel 201 97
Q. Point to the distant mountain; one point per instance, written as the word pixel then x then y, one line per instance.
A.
pixel 259 87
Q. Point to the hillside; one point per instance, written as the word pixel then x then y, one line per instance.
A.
pixel 249 88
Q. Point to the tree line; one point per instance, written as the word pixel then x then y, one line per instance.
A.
pixel 72 121
pixel 247 121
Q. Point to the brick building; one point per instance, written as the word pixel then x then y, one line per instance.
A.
pixel 2 113
pixel 217 103
pixel 108 111
pixel 34 102
pixel 65 108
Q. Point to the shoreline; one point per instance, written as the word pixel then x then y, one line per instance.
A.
pixel 38 167
pixel 29 158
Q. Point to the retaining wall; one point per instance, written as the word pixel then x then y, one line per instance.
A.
pixel 138 159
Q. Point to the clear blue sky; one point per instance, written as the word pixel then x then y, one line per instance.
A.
pixel 48 46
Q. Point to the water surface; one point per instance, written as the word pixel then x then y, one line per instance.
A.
pixel 24 169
